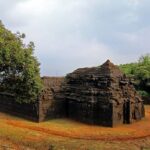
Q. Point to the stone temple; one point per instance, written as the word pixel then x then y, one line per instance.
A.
pixel 101 95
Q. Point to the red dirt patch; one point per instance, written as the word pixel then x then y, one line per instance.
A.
pixel 137 130
pixel 7 144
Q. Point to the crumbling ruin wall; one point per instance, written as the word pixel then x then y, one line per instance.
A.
pixel 78 111
pixel 117 114
pixel 87 95
pixel 137 111
pixel 103 114
pixel 46 106
pixel 128 106
pixel 98 95
pixel 49 107
pixel 9 105
pixel 132 100
pixel 101 95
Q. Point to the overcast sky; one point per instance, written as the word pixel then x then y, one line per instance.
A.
pixel 69 34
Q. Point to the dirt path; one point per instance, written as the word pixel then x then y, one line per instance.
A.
pixel 14 127
pixel 67 135
pixel 141 130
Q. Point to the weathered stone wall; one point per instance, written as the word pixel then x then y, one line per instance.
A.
pixel 8 104
pixel 133 104
pixel 101 95
pixel 78 111
pixel 49 107
pixel 98 95
pixel 137 111
pixel 90 112
pixel 117 114
pixel 44 108
pixel 103 115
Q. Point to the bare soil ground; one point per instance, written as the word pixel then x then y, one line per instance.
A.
pixel 65 134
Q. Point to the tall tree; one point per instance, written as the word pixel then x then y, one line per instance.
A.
pixel 19 68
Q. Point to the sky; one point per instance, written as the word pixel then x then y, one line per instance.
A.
pixel 70 34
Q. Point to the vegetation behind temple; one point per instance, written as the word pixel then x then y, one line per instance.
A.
pixel 19 69
pixel 140 72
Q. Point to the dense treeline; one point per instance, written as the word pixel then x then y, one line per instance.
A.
pixel 19 69
pixel 140 72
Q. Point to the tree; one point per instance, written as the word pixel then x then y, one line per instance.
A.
pixel 129 69
pixel 143 72
pixel 140 71
pixel 19 69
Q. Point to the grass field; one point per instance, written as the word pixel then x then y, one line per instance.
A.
pixel 64 134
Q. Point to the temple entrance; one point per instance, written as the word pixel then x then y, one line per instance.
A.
pixel 126 112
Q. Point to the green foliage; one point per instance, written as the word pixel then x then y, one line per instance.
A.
pixel 129 69
pixel 144 93
pixel 140 71
pixel 143 70
pixel 19 69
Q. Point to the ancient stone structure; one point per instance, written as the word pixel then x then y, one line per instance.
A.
pixel 9 105
pixel 101 95
pixel 45 107
pixel 49 107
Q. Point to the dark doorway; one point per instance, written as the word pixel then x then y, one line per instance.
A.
pixel 126 112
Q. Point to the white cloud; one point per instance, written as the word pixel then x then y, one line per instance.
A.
pixel 135 2
pixel 73 33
